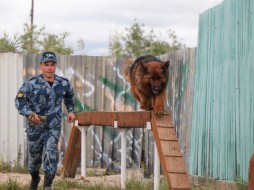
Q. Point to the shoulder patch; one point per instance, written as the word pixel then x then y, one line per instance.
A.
pixel 21 94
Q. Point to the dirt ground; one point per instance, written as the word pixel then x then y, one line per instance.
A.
pixel 98 177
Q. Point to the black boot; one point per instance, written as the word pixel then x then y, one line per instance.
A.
pixel 48 180
pixel 35 181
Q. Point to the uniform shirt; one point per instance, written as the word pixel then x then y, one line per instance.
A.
pixel 37 96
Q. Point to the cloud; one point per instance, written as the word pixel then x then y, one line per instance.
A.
pixel 94 20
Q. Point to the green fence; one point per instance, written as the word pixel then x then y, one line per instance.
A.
pixel 222 139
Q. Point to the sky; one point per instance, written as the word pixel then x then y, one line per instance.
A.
pixel 95 21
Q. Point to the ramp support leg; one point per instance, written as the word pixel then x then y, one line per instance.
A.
pixel 83 150
pixel 123 158
pixel 156 169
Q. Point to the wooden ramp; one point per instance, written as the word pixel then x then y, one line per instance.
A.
pixel 164 135
pixel 170 156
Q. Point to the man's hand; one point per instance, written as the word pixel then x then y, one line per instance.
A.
pixel 34 118
pixel 70 117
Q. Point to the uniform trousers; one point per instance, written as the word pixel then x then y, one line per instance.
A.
pixel 42 139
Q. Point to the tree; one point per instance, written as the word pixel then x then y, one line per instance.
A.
pixel 34 40
pixel 8 45
pixel 52 42
pixel 136 42
pixel 115 46
pixel 30 39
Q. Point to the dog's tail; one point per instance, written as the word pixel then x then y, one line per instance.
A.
pixel 127 62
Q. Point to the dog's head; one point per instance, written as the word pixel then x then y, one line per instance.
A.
pixel 156 75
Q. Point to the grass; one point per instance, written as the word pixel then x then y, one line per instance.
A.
pixel 13 185
pixel 15 167
pixel 241 185
pixel 62 184
pixel 139 184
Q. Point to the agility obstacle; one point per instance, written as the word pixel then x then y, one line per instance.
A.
pixel 166 149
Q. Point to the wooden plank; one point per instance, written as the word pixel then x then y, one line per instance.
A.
pixel 179 181
pixel 170 148
pixel 166 134
pixel 163 121
pixel 175 165
pixel 72 156
pixel 124 119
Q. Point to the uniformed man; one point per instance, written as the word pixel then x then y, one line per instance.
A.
pixel 39 99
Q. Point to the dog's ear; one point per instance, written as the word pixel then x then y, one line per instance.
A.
pixel 144 66
pixel 165 65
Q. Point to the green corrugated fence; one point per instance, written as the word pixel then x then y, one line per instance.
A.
pixel 222 139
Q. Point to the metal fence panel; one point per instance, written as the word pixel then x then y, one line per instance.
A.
pixel 12 141
pixel 222 125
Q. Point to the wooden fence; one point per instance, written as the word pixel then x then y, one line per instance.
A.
pixel 99 86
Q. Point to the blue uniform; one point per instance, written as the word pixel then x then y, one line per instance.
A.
pixel 37 96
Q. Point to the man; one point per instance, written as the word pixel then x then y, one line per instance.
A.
pixel 39 99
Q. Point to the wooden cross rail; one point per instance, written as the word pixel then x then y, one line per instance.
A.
pixel 164 135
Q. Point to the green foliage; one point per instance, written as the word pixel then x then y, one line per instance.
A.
pixel 68 184
pixel 139 184
pixel 12 184
pixel 56 43
pixel 241 184
pixel 36 40
pixel 8 167
pixel 115 45
pixel 136 42
pixel 81 44
pixel 30 39
pixel 8 45
pixel 5 166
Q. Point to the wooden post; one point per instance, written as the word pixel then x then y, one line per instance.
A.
pixel 251 174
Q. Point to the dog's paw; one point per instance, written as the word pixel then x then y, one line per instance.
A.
pixel 146 107
pixel 158 112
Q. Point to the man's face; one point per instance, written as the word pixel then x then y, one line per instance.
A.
pixel 48 69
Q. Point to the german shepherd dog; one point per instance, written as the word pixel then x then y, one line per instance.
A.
pixel 148 78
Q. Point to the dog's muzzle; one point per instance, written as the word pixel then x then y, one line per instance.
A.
pixel 156 90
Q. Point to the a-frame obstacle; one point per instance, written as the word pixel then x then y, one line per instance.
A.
pixel 164 135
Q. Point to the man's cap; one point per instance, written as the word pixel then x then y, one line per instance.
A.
pixel 48 56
